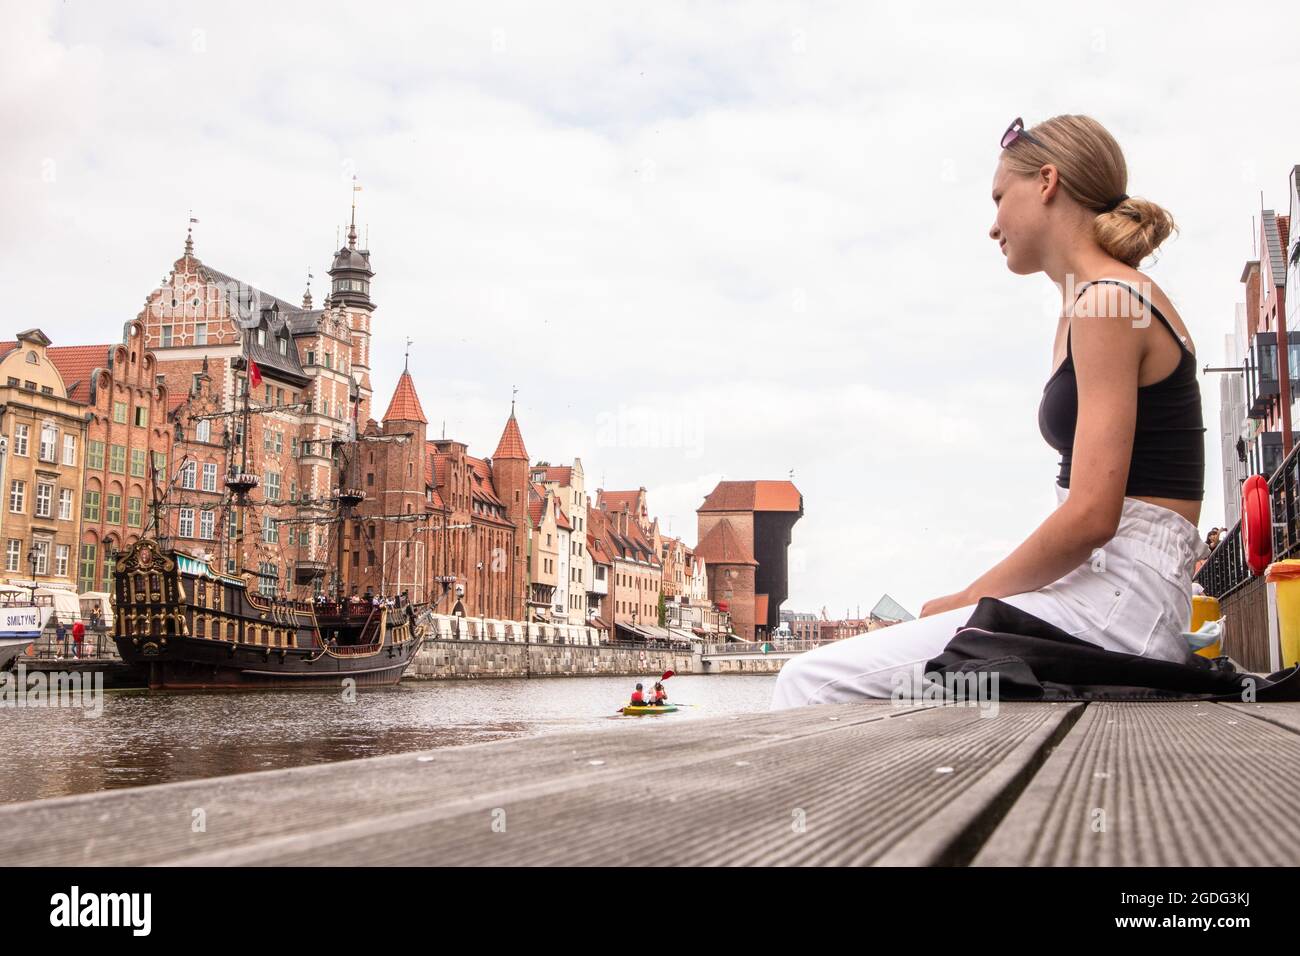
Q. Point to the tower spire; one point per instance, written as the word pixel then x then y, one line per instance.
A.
pixel 352 229
pixel 189 235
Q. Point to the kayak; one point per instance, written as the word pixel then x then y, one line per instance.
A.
pixel 637 710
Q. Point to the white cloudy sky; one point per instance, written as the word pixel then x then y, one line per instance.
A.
pixel 704 240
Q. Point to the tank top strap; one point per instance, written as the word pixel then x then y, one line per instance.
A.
pixel 1181 340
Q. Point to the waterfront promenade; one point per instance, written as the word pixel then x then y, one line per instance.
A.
pixel 1097 784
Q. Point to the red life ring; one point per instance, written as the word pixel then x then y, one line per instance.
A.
pixel 1256 524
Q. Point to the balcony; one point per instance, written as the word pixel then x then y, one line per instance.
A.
pixel 305 572
pixel 1261 372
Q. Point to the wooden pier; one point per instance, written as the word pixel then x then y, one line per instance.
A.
pixel 875 783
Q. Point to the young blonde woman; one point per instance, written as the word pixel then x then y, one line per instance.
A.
pixel 1112 564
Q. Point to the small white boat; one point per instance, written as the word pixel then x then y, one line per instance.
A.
pixel 20 626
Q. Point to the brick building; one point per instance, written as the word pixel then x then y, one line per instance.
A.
pixel 128 441
pixel 437 522
pixel 310 385
pixel 744 531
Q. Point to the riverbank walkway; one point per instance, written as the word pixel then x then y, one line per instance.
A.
pixel 1097 784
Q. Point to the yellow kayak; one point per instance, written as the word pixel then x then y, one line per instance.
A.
pixel 638 710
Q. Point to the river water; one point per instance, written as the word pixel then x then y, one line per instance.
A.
pixel 143 738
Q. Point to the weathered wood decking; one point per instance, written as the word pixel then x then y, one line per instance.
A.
pixel 872 783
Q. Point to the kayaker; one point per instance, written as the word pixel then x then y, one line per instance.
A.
pixel 638 698
pixel 660 696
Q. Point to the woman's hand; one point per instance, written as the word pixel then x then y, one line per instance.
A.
pixel 946 603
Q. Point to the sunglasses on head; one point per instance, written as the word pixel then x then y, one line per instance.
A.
pixel 1017 131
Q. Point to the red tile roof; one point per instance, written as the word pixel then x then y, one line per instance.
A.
pixel 618 500
pixel 535 504
pixel 405 406
pixel 562 474
pixel 753 496
pixel 561 519
pixel 75 363
pixel 511 444
pixel 722 545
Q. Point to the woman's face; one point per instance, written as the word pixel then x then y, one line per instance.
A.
pixel 1020 220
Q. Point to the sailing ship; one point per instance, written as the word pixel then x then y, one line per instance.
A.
pixel 193 626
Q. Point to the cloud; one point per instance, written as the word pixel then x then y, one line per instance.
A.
pixel 726 240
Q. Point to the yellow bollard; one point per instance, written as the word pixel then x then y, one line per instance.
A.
pixel 1206 608
pixel 1285 577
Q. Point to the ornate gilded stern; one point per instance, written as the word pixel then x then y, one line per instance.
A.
pixel 149 596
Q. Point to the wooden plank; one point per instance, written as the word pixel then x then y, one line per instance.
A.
pixel 855 783
pixel 113 827
pixel 1159 784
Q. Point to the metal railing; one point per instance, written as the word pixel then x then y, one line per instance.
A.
pixel 1226 570
pixel 756 647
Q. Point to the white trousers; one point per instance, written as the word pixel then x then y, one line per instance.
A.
pixel 1132 595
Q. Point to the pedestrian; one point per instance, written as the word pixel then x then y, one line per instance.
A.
pixel 1112 565
pixel 78 636
pixel 61 636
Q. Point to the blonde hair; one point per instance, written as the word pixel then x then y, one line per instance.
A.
pixel 1093 172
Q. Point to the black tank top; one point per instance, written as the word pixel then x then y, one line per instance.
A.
pixel 1168 458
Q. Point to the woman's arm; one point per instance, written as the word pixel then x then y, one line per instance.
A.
pixel 1107 354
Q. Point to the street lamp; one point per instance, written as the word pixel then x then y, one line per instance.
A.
pixel 32 557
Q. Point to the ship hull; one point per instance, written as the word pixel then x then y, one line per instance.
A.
pixel 184 663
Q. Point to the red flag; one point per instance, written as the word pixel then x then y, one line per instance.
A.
pixel 254 374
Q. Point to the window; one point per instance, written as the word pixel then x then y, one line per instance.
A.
pixel 60 560
pixel 311 360
pixel 207 521
pixel 266 579
pixel 134 509
pixel 329 359
pixel 13 554
pixel 113 509
pixel 119 412
pixel 42 549
pixel 137 462
pixel 160 462
pixel 65 504
pixel 270 530
pixel 69 449
pixel 117 459
pixel 209 476
pixel 279 396
pixel 273 485
pixel 90 506
pixel 49 443
pixel 203 431
pixel 261 336
pixel 188 474
pixel 268 395
pixel 186 528
pixel 44 499
pixel 95 455
pixel 17 496
pixel 166 336
pixel 142 416
pixel 266 439
pixel 279 442
pixel 293 448
pixel 201 333
pixel 284 346
pixel 20 439
pixel 86 568
pixel 13 381
pixel 196 383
